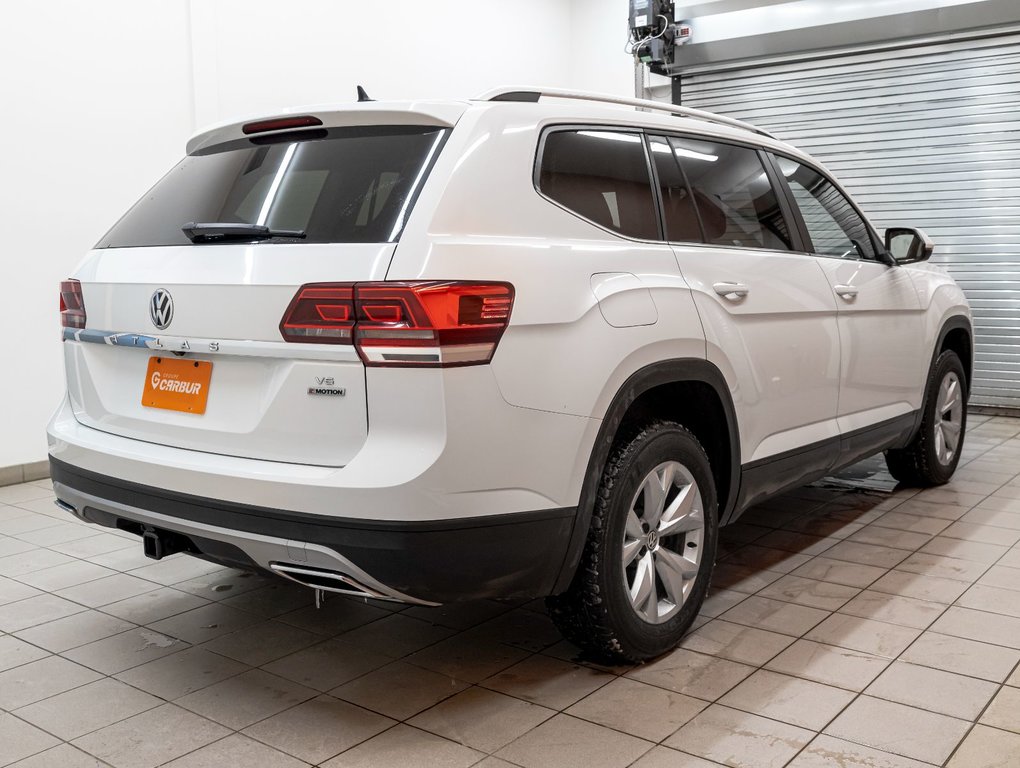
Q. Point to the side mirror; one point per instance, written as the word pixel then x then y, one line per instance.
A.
pixel 908 245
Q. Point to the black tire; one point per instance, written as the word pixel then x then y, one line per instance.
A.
pixel 596 612
pixel 922 464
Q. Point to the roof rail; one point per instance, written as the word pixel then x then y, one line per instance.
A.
pixel 531 94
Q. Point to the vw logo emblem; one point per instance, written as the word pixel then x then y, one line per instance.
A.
pixel 161 308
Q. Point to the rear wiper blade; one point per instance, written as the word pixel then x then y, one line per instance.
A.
pixel 219 232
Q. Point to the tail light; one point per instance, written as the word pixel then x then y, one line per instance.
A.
pixel 72 305
pixel 415 324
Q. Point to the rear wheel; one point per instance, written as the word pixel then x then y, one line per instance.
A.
pixel 932 457
pixel 650 551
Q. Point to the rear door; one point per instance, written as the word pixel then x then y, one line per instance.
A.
pixel 768 311
pixel 881 323
pixel 160 308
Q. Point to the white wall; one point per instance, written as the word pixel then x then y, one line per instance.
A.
pixel 98 99
pixel 95 103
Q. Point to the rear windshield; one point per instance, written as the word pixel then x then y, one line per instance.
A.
pixel 342 185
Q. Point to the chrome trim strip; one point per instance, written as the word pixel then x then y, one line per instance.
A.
pixel 204 347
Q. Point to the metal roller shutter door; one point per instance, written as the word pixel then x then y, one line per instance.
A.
pixel 927 136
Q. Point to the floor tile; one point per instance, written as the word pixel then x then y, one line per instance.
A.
pixel 151 738
pixel 107 590
pixel 15 652
pixel 319 728
pixel 397 635
pixel 482 719
pixel 547 681
pixel 775 615
pixel 273 599
pixel 933 689
pixel 467 658
pixel 987 748
pixel 967 571
pixel 239 701
pixel 174 569
pixel 638 709
pixel 20 739
pixel 893 609
pixel 151 606
pixel 830 665
pixel 739 739
pixel 334 617
pixel 399 690
pixel 1004 711
pixel 12 591
pixel 664 757
pixel 566 742
pixel 63 755
pixel 71 631
pixel 33 560
pixel 840 572
pixel 828 752
pixel 931 588
pixel 88 708
pixel 326 665
pixel 408 747
pixel 1001 576
pixel 262 643
pixel 899 729
pixel 905 521
pixel 890 537
pixel 236 750
pixel 695 674
pixel 980 625
pixel 740 578
pixel 992 600
pixel 61 576
pixel 40 679
pixel 789 699
pixel 867 554
pixel 736 643
pixel 128 649
pixel 179 674
pixel 959 549
pixel 35 610
pixel 201 624
pixel 965 657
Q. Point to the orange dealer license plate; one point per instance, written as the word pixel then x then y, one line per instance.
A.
pixel 177 384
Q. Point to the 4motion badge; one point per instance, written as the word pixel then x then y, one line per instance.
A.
pixel 326 385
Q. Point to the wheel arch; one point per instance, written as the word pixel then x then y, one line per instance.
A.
pixel 691 391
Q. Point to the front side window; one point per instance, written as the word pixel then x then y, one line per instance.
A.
pixel 835 228
pixel 602 176
pixel 337 185
pixel 734 198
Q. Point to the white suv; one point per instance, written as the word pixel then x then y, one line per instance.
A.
pixel 533 344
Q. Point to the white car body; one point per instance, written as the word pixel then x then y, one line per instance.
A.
pixel 477 478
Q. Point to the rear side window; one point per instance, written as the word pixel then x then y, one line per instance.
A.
pixel 734 198
pixel 346 185
pixel 836 229
pixel 602 176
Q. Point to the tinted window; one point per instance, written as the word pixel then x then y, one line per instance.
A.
pixel 349 185
pixel 734 198
pixel 835 227
pixel 603 176
pixel 679 213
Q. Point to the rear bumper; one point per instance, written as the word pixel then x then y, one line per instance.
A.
pixel 515 555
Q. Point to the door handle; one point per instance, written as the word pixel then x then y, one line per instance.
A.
pixel 731 291
pixel 848 292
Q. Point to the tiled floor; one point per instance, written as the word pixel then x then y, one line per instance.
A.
pixel 846 628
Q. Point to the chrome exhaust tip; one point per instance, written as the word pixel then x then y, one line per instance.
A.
pixel 327 580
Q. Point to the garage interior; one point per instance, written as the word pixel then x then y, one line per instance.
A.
pixel 851 622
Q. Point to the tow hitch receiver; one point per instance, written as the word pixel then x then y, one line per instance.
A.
pixel 158 544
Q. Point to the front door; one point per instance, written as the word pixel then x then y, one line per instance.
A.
pixel 884 365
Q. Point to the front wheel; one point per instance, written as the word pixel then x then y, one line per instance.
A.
pixel 932 457
pixel 651 547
